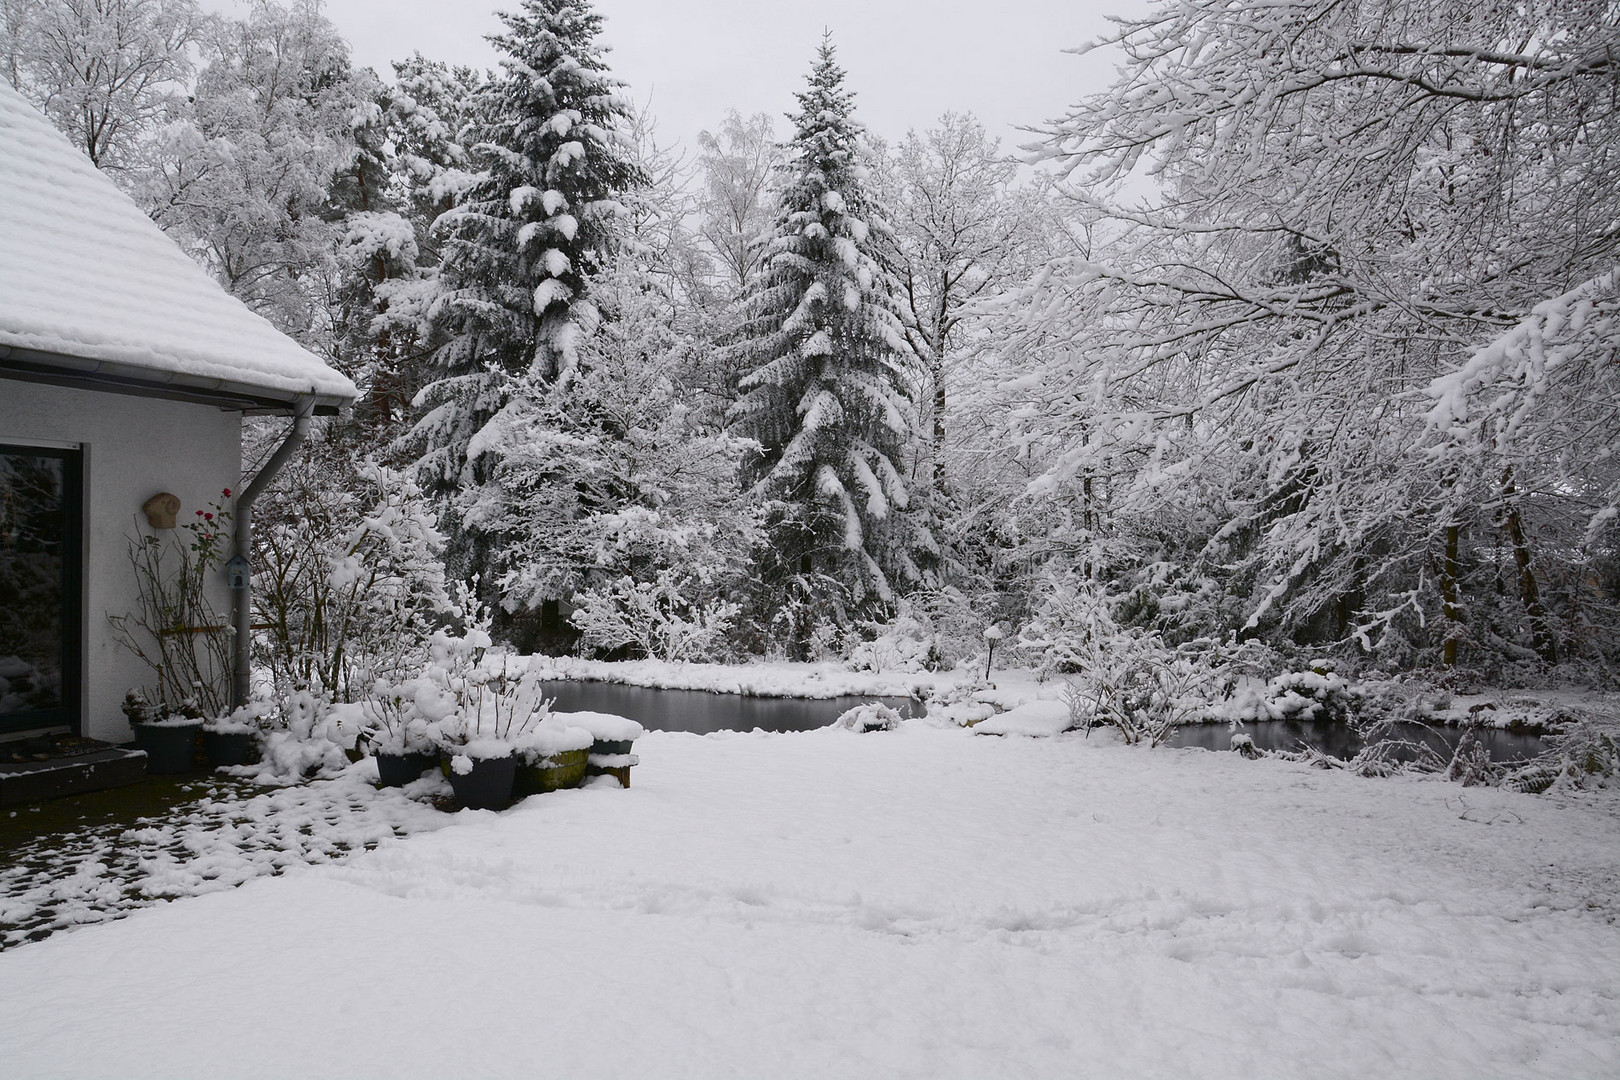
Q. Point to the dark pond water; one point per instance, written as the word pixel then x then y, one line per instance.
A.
pixel 1338 740
pixel 702 711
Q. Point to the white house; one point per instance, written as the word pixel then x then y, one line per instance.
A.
pixel 125 371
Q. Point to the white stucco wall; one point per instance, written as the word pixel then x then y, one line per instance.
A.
pixel 134 447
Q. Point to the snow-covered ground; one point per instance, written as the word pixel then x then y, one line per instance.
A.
pixel 923 902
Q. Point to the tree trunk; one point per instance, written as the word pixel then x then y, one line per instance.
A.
pixel 1451 595
pixel 939 429
pixel 941 331
pixel 1542 637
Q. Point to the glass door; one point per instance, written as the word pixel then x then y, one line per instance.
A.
pixel 40 552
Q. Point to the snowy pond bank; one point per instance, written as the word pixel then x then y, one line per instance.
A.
pixel 1341 741
pixel 918 903
pixel 703 698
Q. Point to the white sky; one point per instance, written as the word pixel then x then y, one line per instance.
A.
pixel 908 61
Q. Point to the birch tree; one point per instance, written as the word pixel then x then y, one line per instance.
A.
pixel 964 230
pixel 107 72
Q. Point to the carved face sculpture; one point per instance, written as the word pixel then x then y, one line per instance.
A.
pixel 160 510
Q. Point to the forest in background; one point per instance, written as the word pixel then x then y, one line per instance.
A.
pixel 1299 343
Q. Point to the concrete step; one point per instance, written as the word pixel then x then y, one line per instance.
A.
pixel 26 782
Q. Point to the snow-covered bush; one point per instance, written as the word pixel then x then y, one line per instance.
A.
pixel 255 716
pixel 1586 754
pixel 399 715
pixel 904 643
pixel 294 743
pixel 1243 745
pixel 931 630
pixel 1471 762
pixel 657 618
pixel 1128 678
pixel 1316 694
pixel 1145 688
pixel 873 716
pixel 349 578
pixel 469 695
pixel 1067 625
pixel 960 705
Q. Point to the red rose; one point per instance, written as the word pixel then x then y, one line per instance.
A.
pixel 227 493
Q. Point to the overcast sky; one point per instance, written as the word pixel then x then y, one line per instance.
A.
pixel 908 60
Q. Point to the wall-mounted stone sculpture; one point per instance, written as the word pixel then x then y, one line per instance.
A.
pixel 160 510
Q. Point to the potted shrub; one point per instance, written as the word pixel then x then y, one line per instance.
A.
pixel 233 739
pixel 553 754
pixel 345 726
pixel 304 734
pixel 169 737
pixel 176 632
pixel 399 733
pixel 493 709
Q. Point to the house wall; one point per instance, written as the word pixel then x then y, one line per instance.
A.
pixel 134 448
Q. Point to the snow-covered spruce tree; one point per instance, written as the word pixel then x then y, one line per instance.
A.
pixel 540 216
pixel 426 115
pixel 620 497
pixel 829 378
pixel 431 109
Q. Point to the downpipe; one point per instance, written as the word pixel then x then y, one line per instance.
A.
pixel 242 595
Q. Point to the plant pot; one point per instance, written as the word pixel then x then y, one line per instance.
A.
pixel 397 770
pixel 564 769
pixel 229 747
pixel 170 749
pixel 611 746
pixel 487 785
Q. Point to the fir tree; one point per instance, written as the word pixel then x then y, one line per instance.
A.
pixel 537 220
pixel 828 371
pixel 541 215
pixel 431 108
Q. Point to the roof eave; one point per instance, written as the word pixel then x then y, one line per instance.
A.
pixel 57 369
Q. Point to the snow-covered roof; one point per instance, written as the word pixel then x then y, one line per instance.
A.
pixel 92 290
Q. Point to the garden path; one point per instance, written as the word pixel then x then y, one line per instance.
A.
pixel 98 857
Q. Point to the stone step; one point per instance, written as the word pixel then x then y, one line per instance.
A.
pixel 35 781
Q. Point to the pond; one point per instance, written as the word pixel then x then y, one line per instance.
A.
pixel 1340 741
pixel 703 711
